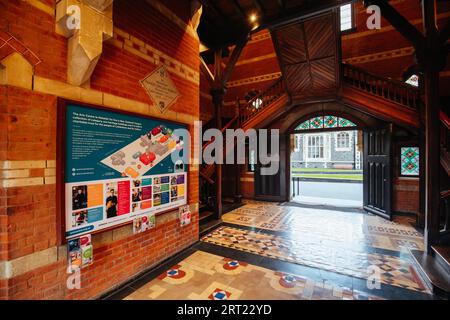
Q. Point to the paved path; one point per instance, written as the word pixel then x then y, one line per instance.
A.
pixel 331 193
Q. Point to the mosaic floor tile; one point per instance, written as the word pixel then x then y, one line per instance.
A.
pixel 217 280
pixel 345 228
pixel 292 252
pixel 393 270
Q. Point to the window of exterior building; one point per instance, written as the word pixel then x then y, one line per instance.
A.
pixel 343 141
pixel 409 161
pixel 346 17
pixel 297 138
pixel 315 147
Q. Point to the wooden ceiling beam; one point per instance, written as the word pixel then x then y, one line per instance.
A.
pixel 444 34
pixel 399 22
pixel 206 72
pixel 218 68
pixel 311 8
pixel 259 6
pixel 281 5
pixel 233 60
pixel 213 8
pixel 239 9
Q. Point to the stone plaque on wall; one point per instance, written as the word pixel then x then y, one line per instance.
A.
pixel 161 88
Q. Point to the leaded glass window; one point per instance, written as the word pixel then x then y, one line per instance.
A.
pixel 409 161
pixel 330 122
pixel 325 122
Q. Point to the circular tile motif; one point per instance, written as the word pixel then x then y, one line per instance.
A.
pixel 231 265
pixel 219 294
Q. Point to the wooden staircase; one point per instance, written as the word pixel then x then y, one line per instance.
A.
pixel 383 98
pixel 257 112
pixel 264 107
pixel 435 267
pixel 445 142
pixel 386 99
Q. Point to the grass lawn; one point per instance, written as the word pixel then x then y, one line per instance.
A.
pixel 356 177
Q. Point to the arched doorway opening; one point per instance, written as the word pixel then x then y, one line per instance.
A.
pixel 326 160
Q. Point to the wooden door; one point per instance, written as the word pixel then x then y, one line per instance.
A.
pixel 377 171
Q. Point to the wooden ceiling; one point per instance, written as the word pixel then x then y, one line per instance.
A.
pixel 308 53
pixel 225 22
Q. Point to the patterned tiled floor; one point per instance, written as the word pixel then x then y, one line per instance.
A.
pixel 393 270
pixel 278 251
pixel 329 226
pixel 204 276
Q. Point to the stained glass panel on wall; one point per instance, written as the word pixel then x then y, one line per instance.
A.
pixel 410 161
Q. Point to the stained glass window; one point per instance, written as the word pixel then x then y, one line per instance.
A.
pixel 330 122
pixel 316 123
pixel 303 126
pixel 325 122
pixel 410 161
pixel 345 123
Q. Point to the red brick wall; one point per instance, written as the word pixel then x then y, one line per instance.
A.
pixel 28 216
pixel 36 29
pixel 248 185
pixel 114 263
pixel 406 195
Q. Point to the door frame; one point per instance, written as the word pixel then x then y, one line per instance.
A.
pixel 360 126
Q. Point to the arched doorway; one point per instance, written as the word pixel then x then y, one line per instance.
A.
pixel 375 136
pixel 326 160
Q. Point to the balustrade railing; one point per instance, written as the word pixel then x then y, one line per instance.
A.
pixel 396 91
pixel 262 100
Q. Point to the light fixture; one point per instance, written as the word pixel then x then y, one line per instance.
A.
pixel 253 18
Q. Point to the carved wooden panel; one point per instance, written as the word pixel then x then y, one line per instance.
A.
pixel 308 52
pixel 320 35
pixel 292 40
pixel 299 77
pixel 323 73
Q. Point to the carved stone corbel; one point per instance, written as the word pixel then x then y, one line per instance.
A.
pixel 196 14
pixel 87 23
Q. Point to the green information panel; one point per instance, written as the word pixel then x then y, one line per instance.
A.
pixel 119 167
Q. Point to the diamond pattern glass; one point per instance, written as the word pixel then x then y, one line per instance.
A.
pixel 325 122
pixel 410 161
